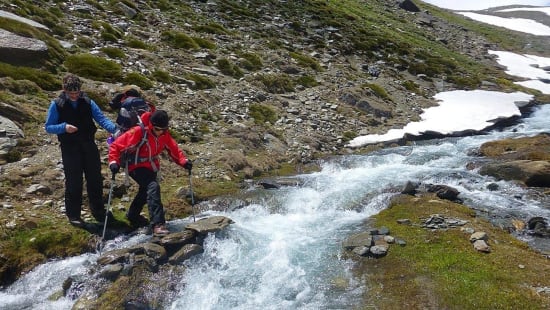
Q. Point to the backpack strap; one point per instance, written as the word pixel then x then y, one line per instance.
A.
pixel 137 159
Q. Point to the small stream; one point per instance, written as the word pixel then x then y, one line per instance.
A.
pixel 284 249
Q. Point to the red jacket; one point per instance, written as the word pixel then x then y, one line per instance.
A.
pixel 148 153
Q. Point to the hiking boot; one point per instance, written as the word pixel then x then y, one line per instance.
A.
pixel 137 221
pixel 160 230
pixel 76 221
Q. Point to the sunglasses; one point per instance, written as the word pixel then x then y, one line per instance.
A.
pixel 160 128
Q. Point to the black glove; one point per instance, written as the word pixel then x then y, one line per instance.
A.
pixel 114 168
pixel 188 165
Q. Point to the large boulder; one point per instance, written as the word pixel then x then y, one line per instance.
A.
pixel 21 51
pixel 531 173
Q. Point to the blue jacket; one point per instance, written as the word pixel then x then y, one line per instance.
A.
pixel 54 126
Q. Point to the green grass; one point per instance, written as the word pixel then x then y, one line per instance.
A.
pixel 24 248
pixel 440 268
pixel 179 40
pixel 262 113
pixel 43 79
pixel 135 78
pixel 228 68
pixel 378 90
pixel 113 52
pixel 94 67
pixel 306 61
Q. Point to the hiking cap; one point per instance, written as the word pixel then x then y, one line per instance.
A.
pixel 159 118
pixel 71 82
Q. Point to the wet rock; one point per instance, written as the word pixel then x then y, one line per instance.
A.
pixel 211 224
pixel 111 272
pixel 186 252
pixel 539 227
pixel 361 250
pixel 371 243
pixel 358 240
pixel 379 250
pixel 410 188
pixel 444 192
pixel 177 240
pixel 155 251
pixel 532 173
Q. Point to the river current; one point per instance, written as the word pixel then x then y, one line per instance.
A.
pixel 284 249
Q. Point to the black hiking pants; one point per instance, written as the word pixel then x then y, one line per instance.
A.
pixel 82 158
pixel 148 192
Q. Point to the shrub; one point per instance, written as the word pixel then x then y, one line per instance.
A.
pixel 464 82
pixel 201 82
pixel 262 113
pixel 85 42
pixel 20 87
pixel 204 43
pixel 93 67
pixel 307 81
pixel 378 90
pixel 138 79
pixel 163 5
pixel 227 68
pixel 109 29
pixel 349 135
pixel 179 40
pixel 162 76
pixel 411 86
pixel 12 156
pixel 136 43
pixel 109 37
pixel 43 79
pixel 113 52
pixel 277 84
pixel 306 61
pixel 213 28
pixel 251 62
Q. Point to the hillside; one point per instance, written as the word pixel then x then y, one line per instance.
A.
pixel 254 88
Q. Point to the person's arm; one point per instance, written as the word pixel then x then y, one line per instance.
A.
pixel 127 141
pixel 174 151
pixel 101 119
pixel 52 121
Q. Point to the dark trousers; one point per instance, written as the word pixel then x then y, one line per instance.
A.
pixel 82 158
pixel 148 192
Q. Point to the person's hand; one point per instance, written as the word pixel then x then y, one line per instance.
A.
pixel 70 128
pixel 114 168
pixel 188 165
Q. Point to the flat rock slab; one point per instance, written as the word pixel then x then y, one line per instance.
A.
pixel 211 224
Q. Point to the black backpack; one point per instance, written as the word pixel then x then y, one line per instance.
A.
pixel 130 107
pixel 130 111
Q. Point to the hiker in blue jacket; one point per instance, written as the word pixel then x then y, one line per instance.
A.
pixel 71 117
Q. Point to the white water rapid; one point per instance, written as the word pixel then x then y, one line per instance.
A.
pixel 283 252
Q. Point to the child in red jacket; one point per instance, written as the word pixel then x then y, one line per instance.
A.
pixel 143 165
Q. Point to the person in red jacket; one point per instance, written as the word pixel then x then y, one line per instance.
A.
pixel 143 168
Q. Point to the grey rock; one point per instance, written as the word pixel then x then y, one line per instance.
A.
pixel 211 224
pixel 186 252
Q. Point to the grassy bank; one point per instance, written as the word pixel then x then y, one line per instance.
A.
pixel 439 269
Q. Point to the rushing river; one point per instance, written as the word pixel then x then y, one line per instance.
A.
pixel 283 251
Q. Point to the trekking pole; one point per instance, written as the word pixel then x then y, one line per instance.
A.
pixel 107 212
pixel 192 198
